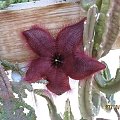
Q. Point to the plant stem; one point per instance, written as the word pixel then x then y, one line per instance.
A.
pixel 118 114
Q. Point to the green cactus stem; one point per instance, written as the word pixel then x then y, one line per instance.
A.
pixel 68 113
pixel 100 26
pixel 85 99
pixel 85 89
pixel 86 4
pixel 99 4
pixel 89 29
pixel 108 86
pixel 51 105
pixel 103 102
pixel 112 29
pixel 96 100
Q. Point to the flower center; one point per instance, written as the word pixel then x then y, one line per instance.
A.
pixel 57 60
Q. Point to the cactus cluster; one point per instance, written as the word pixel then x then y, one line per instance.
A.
pixel 98 44
pixel 93 93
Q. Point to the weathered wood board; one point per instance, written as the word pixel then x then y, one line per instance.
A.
pixel 53 17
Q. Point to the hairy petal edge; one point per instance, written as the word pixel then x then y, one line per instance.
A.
pixel 58 81
pixel 81 66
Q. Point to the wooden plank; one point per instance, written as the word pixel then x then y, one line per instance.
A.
pixel 12 22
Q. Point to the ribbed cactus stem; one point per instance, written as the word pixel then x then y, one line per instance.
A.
pixel 103 7
pixel 85 99
pixel 112 29
pixel 87 3
pixel 85 88
pixel 109 87
pixel 68 113
pixel 89 29
pixel 51 106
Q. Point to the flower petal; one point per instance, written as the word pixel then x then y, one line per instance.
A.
pixel 40 41
pixel 81 66
pixel 37 69
pixel 71 37
pixel 58 81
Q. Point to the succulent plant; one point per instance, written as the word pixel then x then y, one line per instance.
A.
pixel 95 92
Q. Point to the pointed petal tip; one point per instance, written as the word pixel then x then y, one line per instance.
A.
pixel 82 66
pixel 58 90
pixel 39 40
pixel 102 66
pixel 24 33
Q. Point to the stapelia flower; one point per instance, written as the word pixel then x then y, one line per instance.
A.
pixel 60 57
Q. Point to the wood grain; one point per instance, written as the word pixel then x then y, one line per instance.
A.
pixel 54 18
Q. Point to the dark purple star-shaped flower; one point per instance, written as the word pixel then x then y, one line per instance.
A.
pixel 60 57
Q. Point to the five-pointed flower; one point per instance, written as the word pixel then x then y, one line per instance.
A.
pixel 60 57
